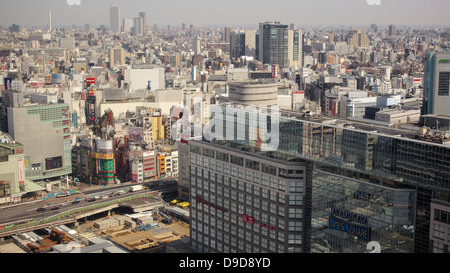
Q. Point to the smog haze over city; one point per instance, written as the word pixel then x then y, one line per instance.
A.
pixel 231 12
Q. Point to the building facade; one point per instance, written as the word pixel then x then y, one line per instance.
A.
pixel 362 186
pixel 242 203
pixel 436 93
pixel 45 132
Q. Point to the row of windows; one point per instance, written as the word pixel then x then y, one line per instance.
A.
pixel 239 161
pixel 216 168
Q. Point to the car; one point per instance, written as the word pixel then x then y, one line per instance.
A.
pixel 55 208
pixel 41 209
pixel 75 201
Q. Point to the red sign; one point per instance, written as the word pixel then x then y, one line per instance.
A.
pixel 90 80
pixel 299 92
pixel 275 71
pixel 417 80
pixel 21 170
pixel 184 141
pixel 251 221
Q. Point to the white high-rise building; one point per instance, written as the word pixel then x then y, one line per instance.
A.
pixel 127 25
pixel 196 45
pixel 114 18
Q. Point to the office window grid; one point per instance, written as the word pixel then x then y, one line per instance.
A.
pixel 266 206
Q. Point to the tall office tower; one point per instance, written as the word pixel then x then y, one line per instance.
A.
pixel 197 45
pixel 358 39
pixel 143 15
pixel 87 28
pixel 127 25
pixel 277 44
pixel 138 28
pixel 183 26
pixel 44 130
pixel 295 48
pixel 243 43
pixel 49 20
pixel 330 186
pixel 392 31
pixel 273 44
pixel 226 34
pixel 114 18
pixel 436 94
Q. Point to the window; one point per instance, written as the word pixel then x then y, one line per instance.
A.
pixel 222 156
pixel 295 187
pixel 268 169
pixel 444 83
pixel 237 160
pixel 438 231
pixel 254 165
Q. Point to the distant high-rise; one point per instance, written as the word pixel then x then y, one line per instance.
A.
pixel 243 43
pixel 436 93
pixel 358 39
pixel 278 45
pixel 127 25
pixel 226 34
pixel 114 18
pixel 392 31
pixel 50 20
pixel 196 45
pixel 138 26
pixel 144 21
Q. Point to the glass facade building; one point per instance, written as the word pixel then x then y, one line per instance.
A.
pixel 380 174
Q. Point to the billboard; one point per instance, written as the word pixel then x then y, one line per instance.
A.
pixel 90 80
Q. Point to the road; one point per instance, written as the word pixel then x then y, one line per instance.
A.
pixel 26 212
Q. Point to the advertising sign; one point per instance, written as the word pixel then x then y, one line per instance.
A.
pixel 90 80
pixel 21 171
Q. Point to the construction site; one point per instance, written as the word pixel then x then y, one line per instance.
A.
pixel 126 230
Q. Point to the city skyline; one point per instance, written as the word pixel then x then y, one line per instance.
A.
pixel 250 12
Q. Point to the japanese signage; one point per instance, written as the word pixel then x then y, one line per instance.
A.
pixel 21 171
pixel 102 156
pixel 250 220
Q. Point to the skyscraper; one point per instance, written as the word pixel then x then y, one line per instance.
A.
pixel 436 93
pixel 50 20
pixel 144 21
pixel 278 45
pixel 392 31
pixel 196 45
pixel 243 43
pixel 127 25
pixel 114 18
pixel 226 34
pixel 138 26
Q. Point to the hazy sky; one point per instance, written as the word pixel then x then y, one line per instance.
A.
pixel 229 12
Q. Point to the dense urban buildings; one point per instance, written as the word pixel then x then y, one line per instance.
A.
pixel 282 137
